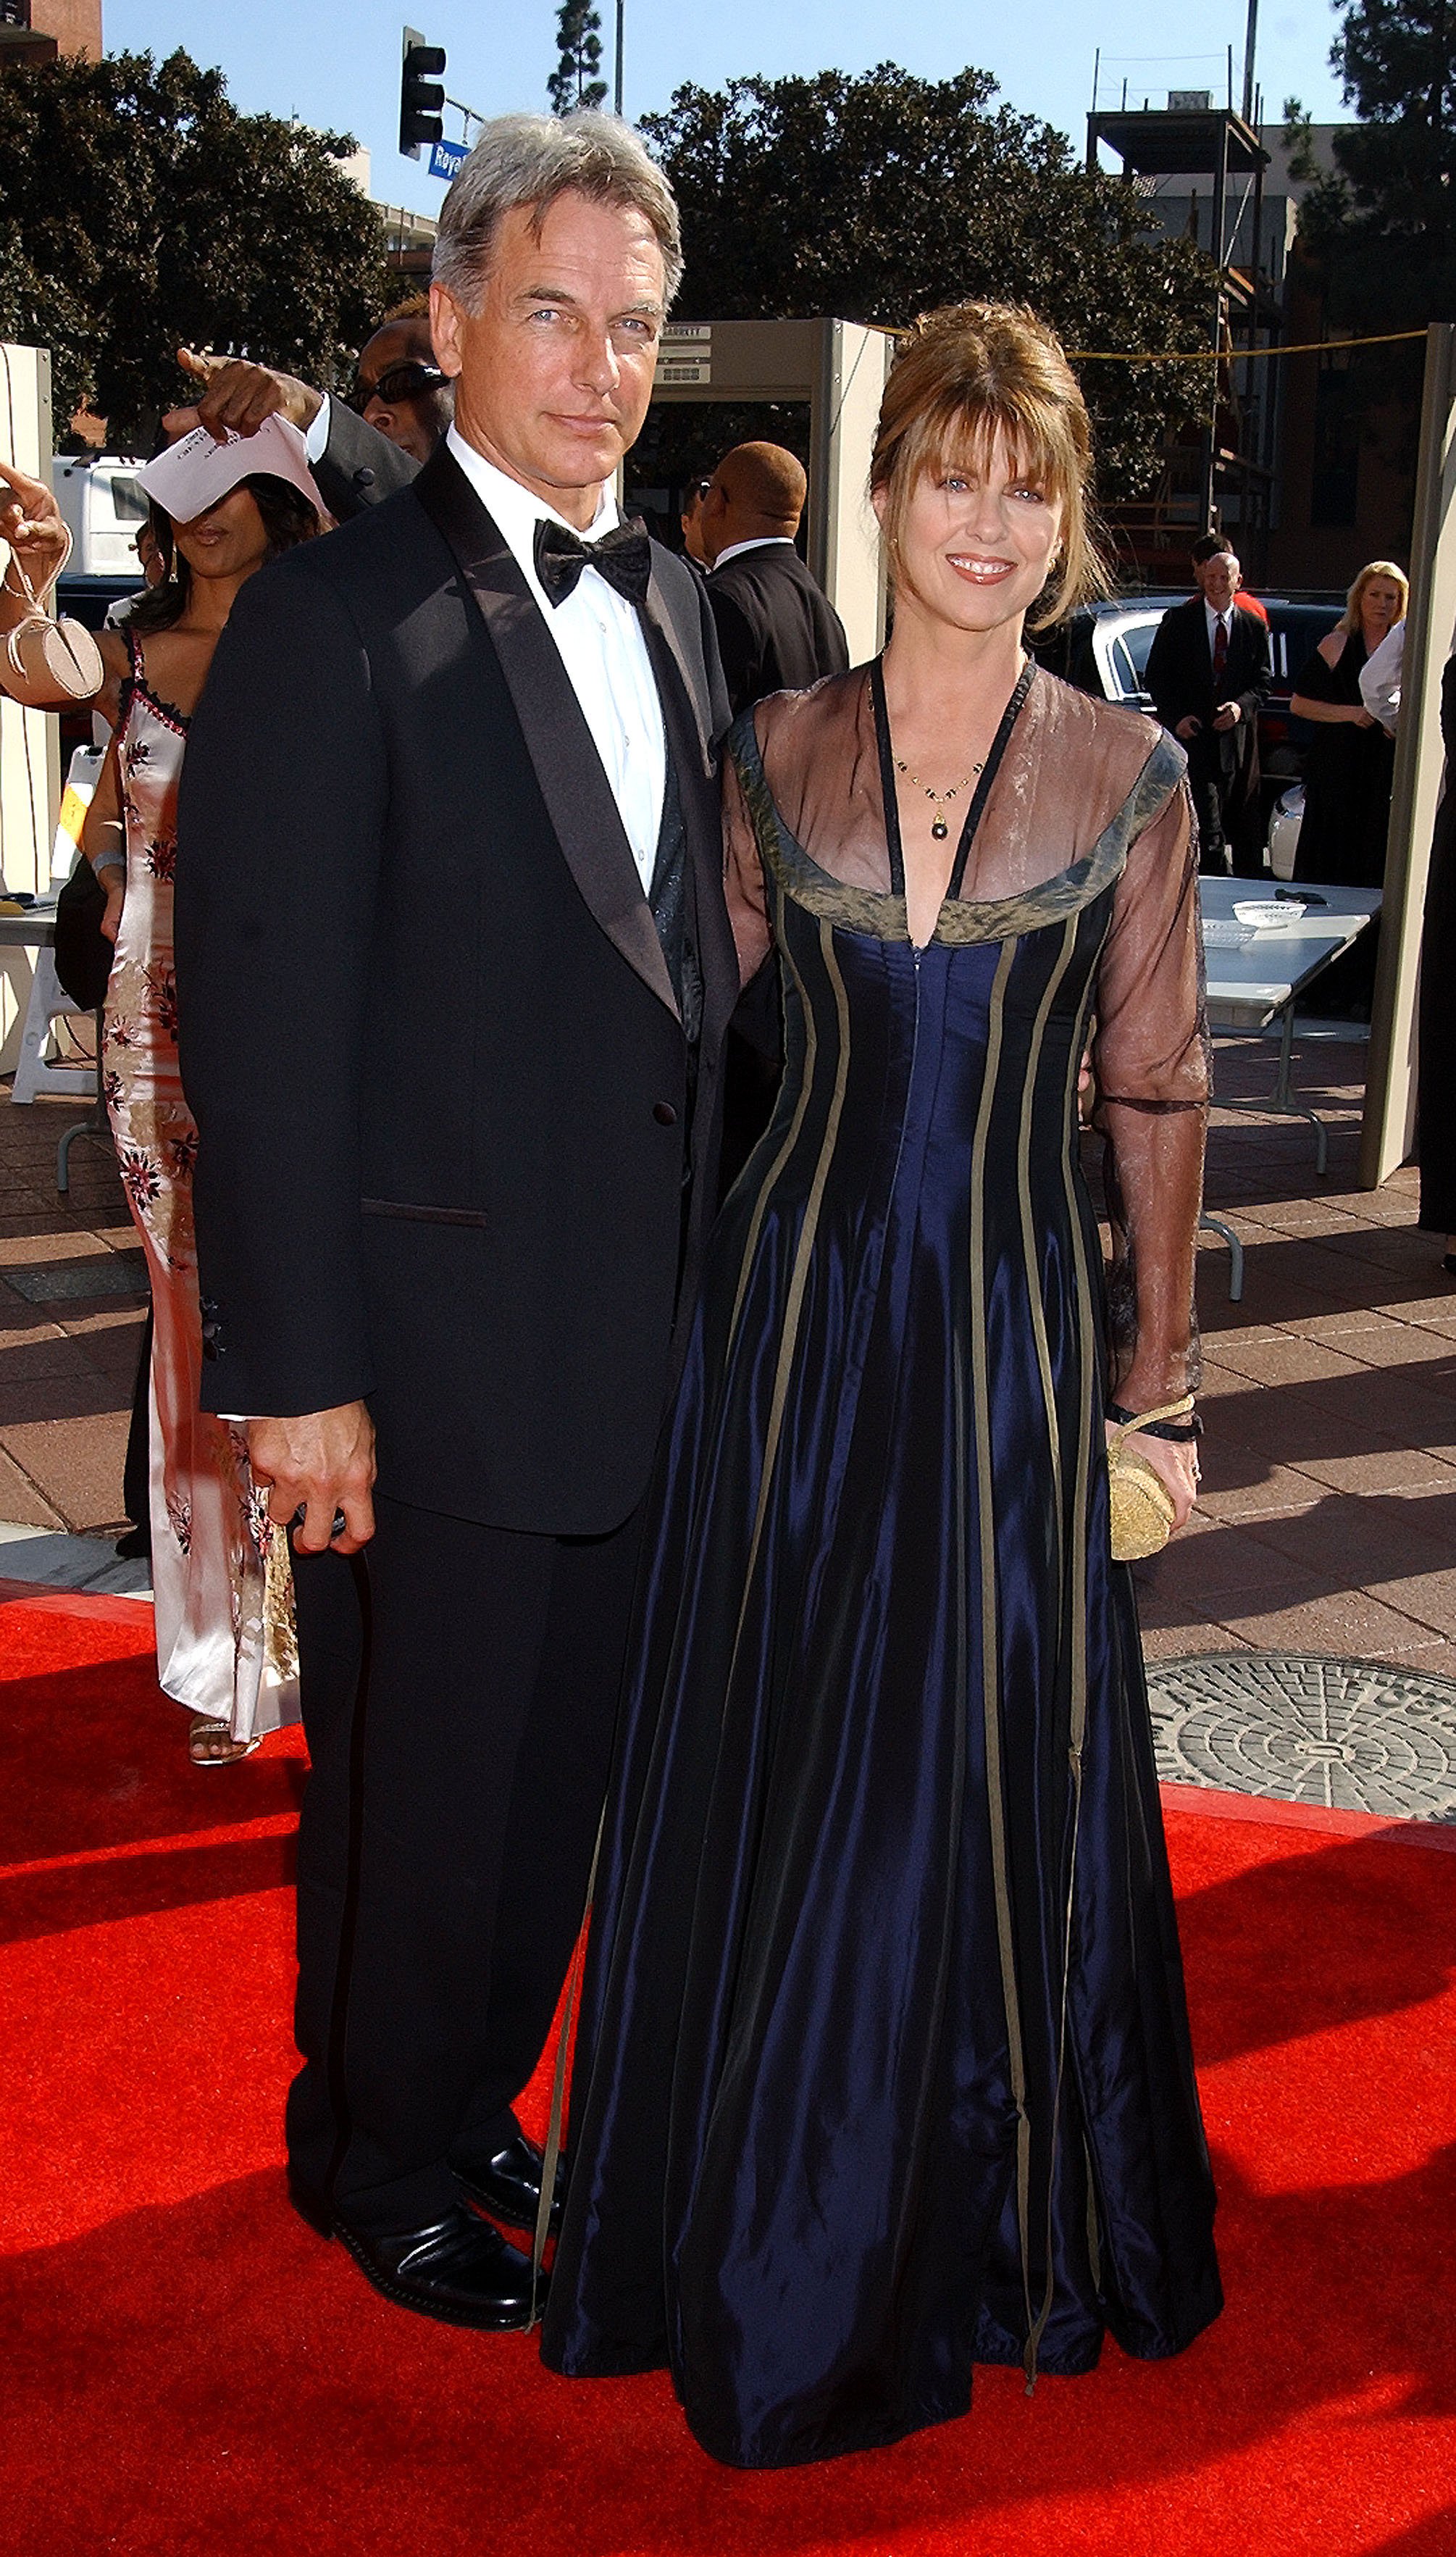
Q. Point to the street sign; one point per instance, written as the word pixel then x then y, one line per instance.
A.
pixel 446 158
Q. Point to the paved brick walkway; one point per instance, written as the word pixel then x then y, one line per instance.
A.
pixel 66 1361
pixel 1328 1516
pixel 1328 1520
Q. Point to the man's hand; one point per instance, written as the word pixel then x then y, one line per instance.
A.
pixel 320 1462
pixel 237 397
pixel 1188 729
pixel 1229 717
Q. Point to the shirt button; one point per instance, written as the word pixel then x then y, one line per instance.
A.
pixel 664 1114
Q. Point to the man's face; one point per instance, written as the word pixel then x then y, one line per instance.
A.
pixel 413 423
pixel 1220 579
pixel 554 370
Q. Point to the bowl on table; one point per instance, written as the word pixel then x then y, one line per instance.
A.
pixel 1265 915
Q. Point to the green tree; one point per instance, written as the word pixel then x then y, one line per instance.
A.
pixel 1382 224
pixel 573 83
pixel 143 210
pixel 878 196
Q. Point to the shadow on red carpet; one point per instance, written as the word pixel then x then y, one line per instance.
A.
pixel 198 2373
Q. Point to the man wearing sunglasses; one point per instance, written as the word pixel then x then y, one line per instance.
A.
pixel 362 450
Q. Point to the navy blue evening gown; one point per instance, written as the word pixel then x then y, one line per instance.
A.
pixel 885 2067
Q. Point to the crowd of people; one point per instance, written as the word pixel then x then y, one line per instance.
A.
pixel 449 825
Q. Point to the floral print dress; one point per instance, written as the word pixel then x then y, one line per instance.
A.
pixel 220 1573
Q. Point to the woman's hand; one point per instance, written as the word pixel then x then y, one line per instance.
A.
pixel 1175 1463
pixel 110 923
pixel 33 525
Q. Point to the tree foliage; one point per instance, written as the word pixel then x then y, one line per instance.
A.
pixel 143 210
pixel 1382 225
pixel 573 83
pixel 878 196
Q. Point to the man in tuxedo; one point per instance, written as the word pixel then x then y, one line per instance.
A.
pixel 1209 671
pixel 454 970
pixel 777 631
pixel 360 450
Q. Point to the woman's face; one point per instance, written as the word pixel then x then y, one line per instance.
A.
pixel 978 540
pixel 229 540
pixel 1379 606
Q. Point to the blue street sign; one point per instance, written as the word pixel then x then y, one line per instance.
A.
pixel 445 157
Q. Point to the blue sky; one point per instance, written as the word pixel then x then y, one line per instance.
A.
pixel 339 66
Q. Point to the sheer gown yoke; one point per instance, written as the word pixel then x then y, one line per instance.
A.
pixel 884 2066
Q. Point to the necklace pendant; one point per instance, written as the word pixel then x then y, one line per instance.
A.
pixel 939 828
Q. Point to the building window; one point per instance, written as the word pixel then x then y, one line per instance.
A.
pixel 15 13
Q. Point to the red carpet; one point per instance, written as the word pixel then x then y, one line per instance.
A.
pixel 189 2372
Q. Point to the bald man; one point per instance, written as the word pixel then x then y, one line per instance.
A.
pixel 776 629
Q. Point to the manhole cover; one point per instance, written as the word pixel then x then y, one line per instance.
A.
pixel 1297 1727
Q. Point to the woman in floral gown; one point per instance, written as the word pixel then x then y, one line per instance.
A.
pixel 220 1573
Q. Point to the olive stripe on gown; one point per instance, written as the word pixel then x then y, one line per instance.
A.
pixel 832 2022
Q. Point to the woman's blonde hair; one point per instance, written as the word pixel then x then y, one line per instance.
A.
pixel 964 376
pixel 1350 618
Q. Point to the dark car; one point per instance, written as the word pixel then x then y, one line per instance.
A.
pixel 1103 649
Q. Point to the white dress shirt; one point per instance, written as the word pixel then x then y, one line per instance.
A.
pixel 315 435
pixel 603 648
pixel 1380 678
pixel 760 542
pixel 1214 618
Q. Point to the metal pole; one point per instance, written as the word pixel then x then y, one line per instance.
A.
pixel 1220 251
pixel 1251 38
pixel 617 84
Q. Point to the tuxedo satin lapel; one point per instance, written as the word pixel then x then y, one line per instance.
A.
pixel 703 817
pixel 660 617
pixel 568 768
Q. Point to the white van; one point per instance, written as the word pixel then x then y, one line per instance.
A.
pixel 103 502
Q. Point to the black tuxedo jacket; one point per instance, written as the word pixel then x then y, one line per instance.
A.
pixel 358 466
pixel 777 628
pixel 1180 679
pixel 427 1028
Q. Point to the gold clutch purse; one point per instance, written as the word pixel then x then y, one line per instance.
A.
pixel 1140 1507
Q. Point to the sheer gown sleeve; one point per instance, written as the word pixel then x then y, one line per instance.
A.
pixel 1150 1058
pixel 742 879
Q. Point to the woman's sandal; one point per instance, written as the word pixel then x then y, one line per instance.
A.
pixel 210 1743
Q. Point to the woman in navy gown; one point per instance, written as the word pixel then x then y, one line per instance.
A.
pixel 885 2063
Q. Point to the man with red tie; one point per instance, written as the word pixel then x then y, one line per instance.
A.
pixel 1207 672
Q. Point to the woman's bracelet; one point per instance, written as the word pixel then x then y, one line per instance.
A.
pixel 1180 1432
pixel 109 861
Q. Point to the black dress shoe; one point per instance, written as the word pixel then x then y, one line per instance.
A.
pixel 460 2270
pixel 508 2185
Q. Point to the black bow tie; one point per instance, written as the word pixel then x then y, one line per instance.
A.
pixel 624 558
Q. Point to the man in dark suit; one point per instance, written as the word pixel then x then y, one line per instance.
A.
pixel 1209 671
pixel 360 450
pixel 777 628
pixel 454 970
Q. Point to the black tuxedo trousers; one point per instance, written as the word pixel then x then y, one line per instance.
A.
pixel 459 1688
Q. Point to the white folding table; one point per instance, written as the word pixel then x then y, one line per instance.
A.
pixel 1256 974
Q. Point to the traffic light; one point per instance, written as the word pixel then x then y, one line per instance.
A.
pixel 421 93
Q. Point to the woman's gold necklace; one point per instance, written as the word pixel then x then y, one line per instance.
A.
pixel 940 801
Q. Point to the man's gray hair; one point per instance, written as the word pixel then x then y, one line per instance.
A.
pixel 533 159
